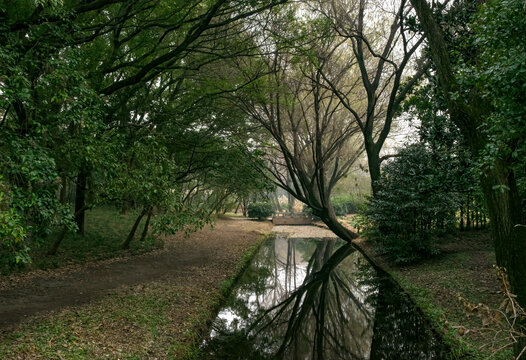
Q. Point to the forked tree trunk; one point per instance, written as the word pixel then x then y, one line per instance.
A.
pixel 146 225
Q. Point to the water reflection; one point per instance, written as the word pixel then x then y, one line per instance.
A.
pixel 318 299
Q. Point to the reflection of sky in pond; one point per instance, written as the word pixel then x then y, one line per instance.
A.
pixel 315 299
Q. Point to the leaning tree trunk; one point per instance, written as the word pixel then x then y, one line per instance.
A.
pixel 126 243
pixel 58 240
pixel 329 218
pixel 61 235
pixel 146 225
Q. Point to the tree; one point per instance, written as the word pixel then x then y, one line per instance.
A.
pixel 372 72
pixel 416 198
pixel 469 108
pixel 81 76
pixel 312 137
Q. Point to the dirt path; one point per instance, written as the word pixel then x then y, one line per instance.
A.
pixel 211 252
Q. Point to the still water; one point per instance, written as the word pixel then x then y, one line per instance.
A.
pixel 318 299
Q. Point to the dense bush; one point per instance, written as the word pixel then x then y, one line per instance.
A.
pixel 260 210
pixel 307 210
pixel 13 247
pixel 344 205
pixel 414 201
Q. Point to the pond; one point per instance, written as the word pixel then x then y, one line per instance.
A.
pixel 311 298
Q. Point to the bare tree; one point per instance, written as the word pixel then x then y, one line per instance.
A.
pixel 314 140
pixel 374 57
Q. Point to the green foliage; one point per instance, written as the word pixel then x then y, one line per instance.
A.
pixel 488 48
pixel 414 201
pixel 500 74
pixel 260 210
pixel 344 205
pixel 14 251
pixel 360 221
pixel 89 90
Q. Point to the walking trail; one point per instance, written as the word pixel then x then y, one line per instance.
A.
pixel 205 257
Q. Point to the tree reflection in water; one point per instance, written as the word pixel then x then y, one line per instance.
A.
pixel 318 299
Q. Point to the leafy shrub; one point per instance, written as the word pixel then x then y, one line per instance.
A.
pixel 414 201
pixel 307 210
pixel 360 222
pixel 14 251
pixel 344 205
pixel 260 210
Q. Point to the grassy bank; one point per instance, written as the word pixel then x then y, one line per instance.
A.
pixel 464 269
pixel 105 229
pixel 190 350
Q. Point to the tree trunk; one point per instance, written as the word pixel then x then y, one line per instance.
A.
pixel 244 207
pixel 126 243
pixel 61 235
pixel 329 218
pixel 63 197
pixel 468 215
pixel 80 200
pixel 373 160
pixel 145 230
pixel 58 241
pixel 275 199
pixel 461 223
pixel 505 214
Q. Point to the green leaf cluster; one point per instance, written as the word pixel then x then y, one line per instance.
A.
pixel 260 210
pixel 415 200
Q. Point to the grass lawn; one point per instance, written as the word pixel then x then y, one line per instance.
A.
pixel 145 322
pixel 464 268
pixel 105 230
